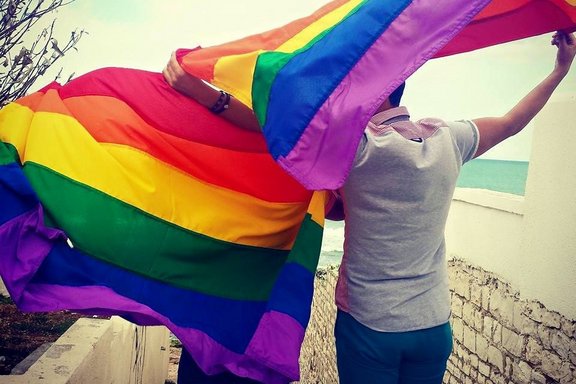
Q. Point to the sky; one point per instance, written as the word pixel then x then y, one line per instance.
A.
pixel 142 34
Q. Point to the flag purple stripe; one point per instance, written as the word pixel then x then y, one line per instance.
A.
pixel 400 50
pixel 34 243
pixel 266 349
pixel 266 359
pixel 288 336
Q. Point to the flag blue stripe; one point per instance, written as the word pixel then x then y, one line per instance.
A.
pixel 210 314
pixel 309 78
pixel 16 194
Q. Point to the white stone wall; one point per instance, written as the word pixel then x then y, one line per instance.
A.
pixel 100 351
pixel 529 241
pixel 548 245
pixel 3 290
pixel 501 338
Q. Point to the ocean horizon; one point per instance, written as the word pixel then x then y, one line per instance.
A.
pixel 505 176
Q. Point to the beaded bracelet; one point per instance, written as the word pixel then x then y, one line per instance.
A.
pixel 222 104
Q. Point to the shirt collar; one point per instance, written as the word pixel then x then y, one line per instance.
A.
pixel 389 115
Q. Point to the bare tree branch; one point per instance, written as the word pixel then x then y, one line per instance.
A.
pixel 21 64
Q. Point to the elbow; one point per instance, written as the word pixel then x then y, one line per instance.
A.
pixel 514 124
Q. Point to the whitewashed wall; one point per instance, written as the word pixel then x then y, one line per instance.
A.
pixel 530 242
pixel 548 247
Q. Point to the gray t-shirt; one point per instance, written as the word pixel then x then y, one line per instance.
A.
pixel 393 276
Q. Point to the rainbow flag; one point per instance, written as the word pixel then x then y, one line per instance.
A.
pixel 316 82
pixel 120 196
pixel 502 21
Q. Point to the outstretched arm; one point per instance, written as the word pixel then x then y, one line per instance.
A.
pixel 493 130
pixel 193 87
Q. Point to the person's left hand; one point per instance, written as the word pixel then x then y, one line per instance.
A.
pixel 179 79
pixel 566 43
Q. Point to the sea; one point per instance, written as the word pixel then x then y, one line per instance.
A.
pixel 496 175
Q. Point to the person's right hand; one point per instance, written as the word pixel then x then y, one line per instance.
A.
pixel 181 80
pixel 205 94
pixel 566 43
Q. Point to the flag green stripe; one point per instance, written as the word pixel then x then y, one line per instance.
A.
pixel 306 249
pixel 8 154
pixel 115 232
pixel 269 64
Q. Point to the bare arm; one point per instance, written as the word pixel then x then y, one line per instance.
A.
pixel 493 130
pixel 193 87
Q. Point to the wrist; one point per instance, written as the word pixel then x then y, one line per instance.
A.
pixel 222 104
pixel 203 93
pixel 560 71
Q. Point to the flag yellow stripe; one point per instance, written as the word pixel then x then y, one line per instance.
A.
pixel 230 71
pixel 61 144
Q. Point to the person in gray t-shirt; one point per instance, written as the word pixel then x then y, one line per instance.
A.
pixel 392 292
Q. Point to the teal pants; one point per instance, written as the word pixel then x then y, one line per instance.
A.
pixel 370 357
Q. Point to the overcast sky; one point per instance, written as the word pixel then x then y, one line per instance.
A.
pixel 142 34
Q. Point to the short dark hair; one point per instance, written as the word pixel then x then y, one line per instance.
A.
pixel 396 96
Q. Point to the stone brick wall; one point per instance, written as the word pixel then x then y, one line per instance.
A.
pixel 499 338
pixel 318 356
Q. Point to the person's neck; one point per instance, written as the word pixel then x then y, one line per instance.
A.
pixel 384 106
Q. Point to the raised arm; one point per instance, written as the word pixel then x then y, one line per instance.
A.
pixel 493 130
pixel 193 87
